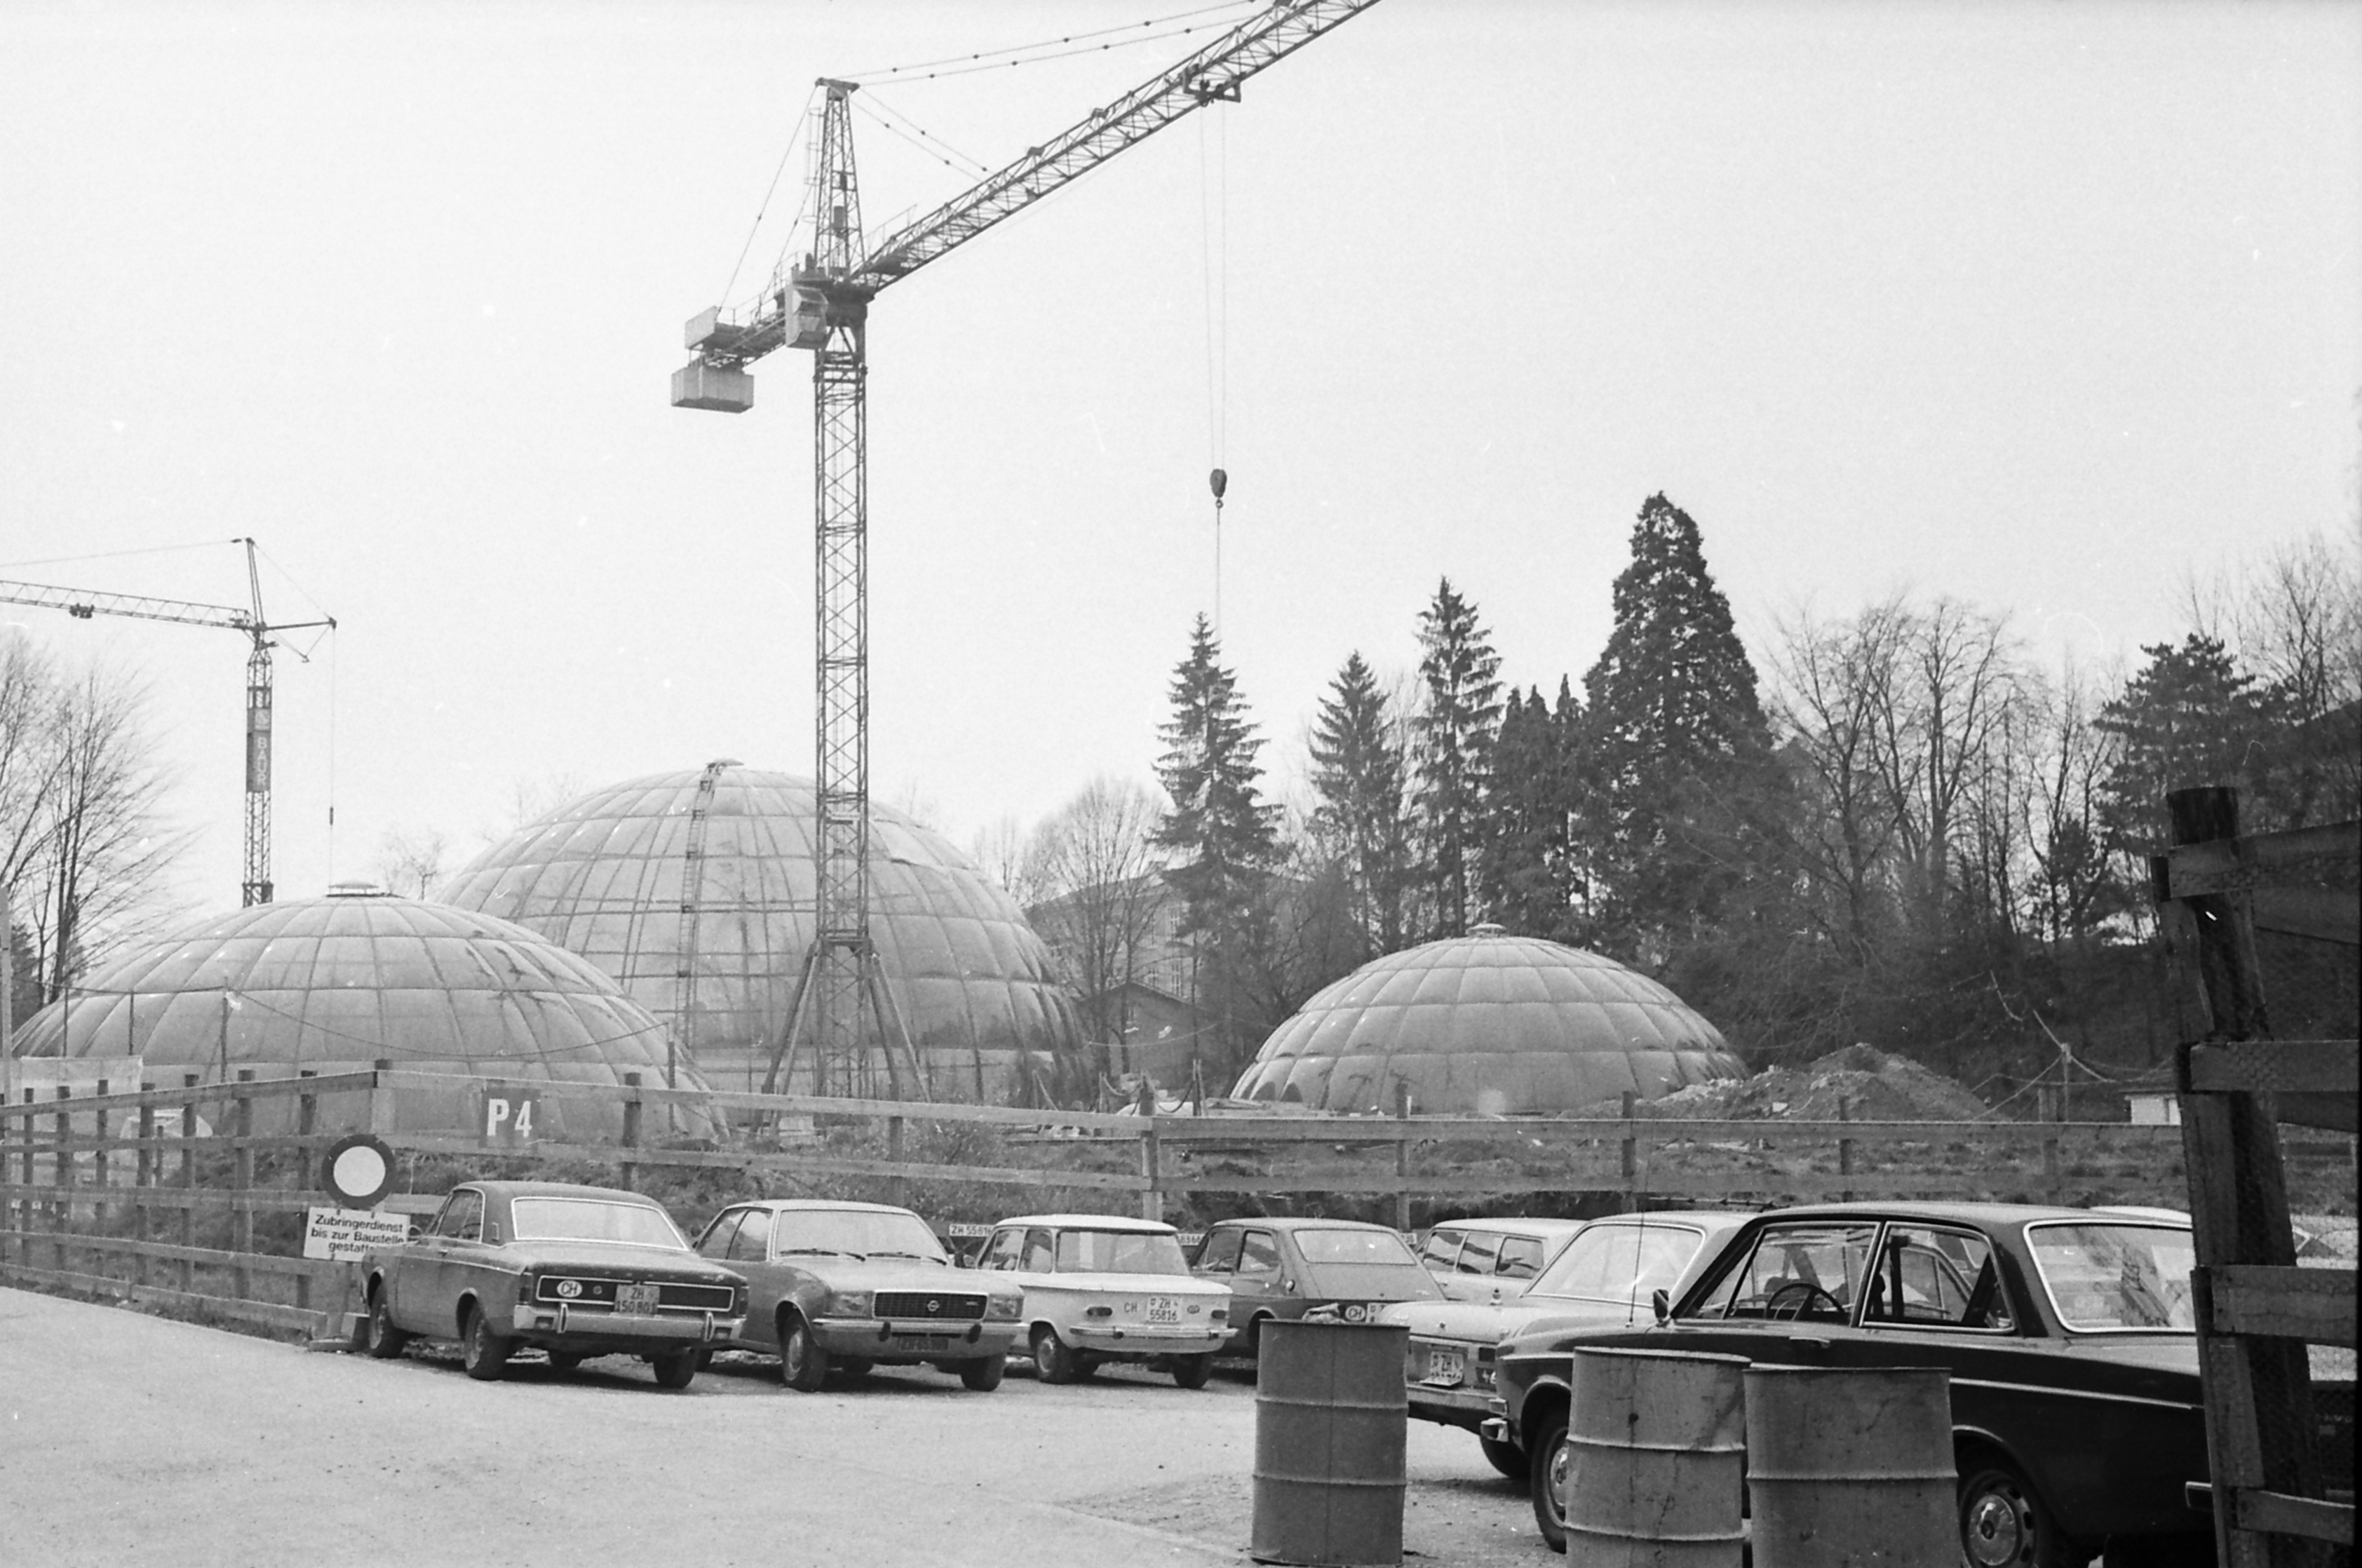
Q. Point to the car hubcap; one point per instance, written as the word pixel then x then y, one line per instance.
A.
pixel 1995 1529
pixel 1558 1467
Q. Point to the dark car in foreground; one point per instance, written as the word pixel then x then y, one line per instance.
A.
pixel 845 1287
pixel 574 1271
pixel 1602 1278
pixel 2076 1413
pixel 1285 1268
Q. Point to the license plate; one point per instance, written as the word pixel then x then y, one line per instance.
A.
pixel 1165 1310
pixel 922 1341
pixel 1444 1367
pixel 636 1300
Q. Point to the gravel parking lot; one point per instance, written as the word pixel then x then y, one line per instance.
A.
pixel 123 1436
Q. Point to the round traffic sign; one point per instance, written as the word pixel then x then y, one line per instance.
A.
pixel 357 1170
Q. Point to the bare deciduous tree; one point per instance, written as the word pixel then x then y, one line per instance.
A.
pixel 410 860
pixel 1095 864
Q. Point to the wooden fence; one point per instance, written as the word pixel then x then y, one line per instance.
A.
pixel 168 1195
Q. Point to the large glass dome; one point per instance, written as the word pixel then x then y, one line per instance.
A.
pixel 1487 1024
pixel 608 875
pixel 333 984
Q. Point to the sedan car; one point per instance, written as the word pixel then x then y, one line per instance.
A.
pixel 845 1287
pixel 1602 1278
pixel 1101 1289
pixel 574 1271
pixel 1285 1268
pixel 1492 1260
pixel 2075 1412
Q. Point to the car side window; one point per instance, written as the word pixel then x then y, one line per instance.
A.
pixel 1001 1252
pixel 1041 1253
pixel 752 1242
pixel 463 1218
pixel 1479 1252
pixel 1443 1249
pixel 1807 1272
pixel 1521 1257
pixel 1259 1252
pixel 1220 1252
pixel 1931 1277
pixel 715 1242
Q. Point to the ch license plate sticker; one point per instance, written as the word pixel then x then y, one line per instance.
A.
pixel 636 1300
pixel 1445 1366
pixel 1165 1310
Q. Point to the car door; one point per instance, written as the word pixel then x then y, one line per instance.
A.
pixel 713 1245
pixel 1261 1286
pixel 1791 1299
pixel 426 1289
pixel 749 1251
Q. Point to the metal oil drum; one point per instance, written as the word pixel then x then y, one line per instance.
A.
pixel 1655 1461
pixel 1851 1468
pixel 1331 1414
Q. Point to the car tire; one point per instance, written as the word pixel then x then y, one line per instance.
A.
pixel 677 1369
pixel 1054 1361
pixel 384 1339
pixel 983 1375
pixel 1546 1480
pixel 1193 1371
pixel 803 1362
pixel 2003 1523
pixel 482 1352
pixel 1505 1457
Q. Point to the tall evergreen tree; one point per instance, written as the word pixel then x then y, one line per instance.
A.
pixel 1220 833
pixel 1460 674
pixel 2190 717
pixel 1678 748
pixel 1531 881
pixel 1357 771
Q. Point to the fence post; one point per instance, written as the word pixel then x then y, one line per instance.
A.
pixel 894 1184
pixel 1631 1158
pixel 1845 1145
pixel 1402 1156
pixel 62 1210
pixel 144 1174
pixel 1152 1171
pixel 381 1105
pixel 631 1172
pixel 241 1214
pixel 26 1207
pixel 2046 1102
pixel 98 1163
pixel 306 1111
pixel 188 1269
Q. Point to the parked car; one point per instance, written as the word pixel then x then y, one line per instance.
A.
pixel 2076 1413
pixel 845 1287
pixel 1101 1289
pixel 575 1271
pixel 1602 1278
pixel 1492 1260
pixel 1285 1268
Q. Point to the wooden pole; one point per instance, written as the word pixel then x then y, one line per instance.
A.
pixel 306 1112
pixel 895 1188
pixel 1845 1145
pixel 188 1271
pixel 1402 1156
pixel 241 1218
pixel 61 1210
pixel 1152 1170
pixel 1631 1162
pixel 25 1209
pixel 630 1172
pixel 144 1177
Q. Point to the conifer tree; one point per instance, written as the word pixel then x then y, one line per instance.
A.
pixel 1678 748
pixel 1460 674
pixel 1532 884
pixel 2191 716
pixel 1357 771
pixel 1219 832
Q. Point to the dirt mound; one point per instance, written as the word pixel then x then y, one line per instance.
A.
pixel 1871 1085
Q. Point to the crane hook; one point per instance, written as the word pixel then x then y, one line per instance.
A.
pixel 1218 481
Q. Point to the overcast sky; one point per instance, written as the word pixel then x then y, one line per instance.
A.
pixel 2046 307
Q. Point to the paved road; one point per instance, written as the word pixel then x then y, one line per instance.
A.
pixel 125 1437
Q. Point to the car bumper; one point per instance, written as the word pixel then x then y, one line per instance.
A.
pixel 871 1339
pixel 562 1323
pixel 1453 1406
pixel 1140 1338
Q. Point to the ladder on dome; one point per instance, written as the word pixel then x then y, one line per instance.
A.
pixel 2257 1312
pixel 693 895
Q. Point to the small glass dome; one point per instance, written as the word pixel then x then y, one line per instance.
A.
pixel 335 984
pixel 1487 1024
pixel 607 876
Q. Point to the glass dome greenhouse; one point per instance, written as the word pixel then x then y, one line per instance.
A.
pixel 608 875
pixel 1487 1024
pixel 331 985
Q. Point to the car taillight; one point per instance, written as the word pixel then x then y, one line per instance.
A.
pixel 526 1286
pixel 1098 1311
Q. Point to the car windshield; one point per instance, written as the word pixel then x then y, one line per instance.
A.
pixel 1620 1263
pixel 593 1220
pixel 1120 1252
pixel 855 1232
pixel 1354 1247
pixel 2116 1277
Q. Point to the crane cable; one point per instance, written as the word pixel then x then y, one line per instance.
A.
pixel 803 124
pixel 1213 193
pixel 1051 49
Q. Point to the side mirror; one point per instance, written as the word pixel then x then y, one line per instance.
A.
pixel 1663 1304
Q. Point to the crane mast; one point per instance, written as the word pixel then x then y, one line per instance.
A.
pixel 254 885
pixel 819 302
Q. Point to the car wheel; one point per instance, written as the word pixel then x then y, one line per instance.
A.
pixel 803 1365
pixel 483 1352
pixel 1193 1371
pixel 2003 1523
pixel 1505 1457
pixel 1546 1472
pixel 983 1375
pixel 675 1370
pixel 385 1340
pixel 565 1360
pixel 1052 1361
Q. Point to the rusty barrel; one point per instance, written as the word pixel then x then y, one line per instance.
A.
pixel 1330 1418
pixel 1654 1469
pixel 1851 1467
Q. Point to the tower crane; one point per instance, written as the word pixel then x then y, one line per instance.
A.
pixel 820 302
pixel 82 604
